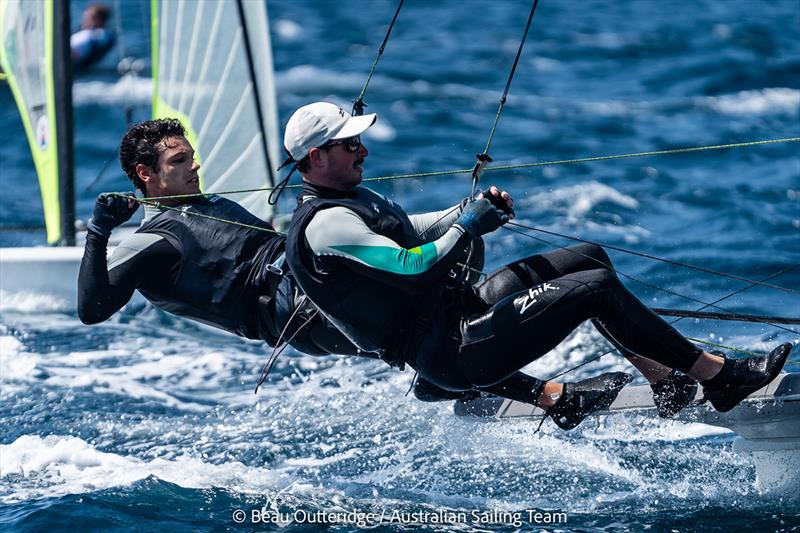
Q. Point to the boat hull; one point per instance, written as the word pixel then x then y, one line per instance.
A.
pixel 767 423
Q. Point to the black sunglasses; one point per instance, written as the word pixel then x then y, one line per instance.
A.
pixel 351 144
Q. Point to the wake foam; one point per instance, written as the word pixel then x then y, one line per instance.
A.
pixel 55 465
pixel 31 302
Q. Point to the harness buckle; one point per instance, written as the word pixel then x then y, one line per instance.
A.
pixel 276 266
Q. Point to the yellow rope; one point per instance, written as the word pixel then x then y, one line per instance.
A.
pixel 148 201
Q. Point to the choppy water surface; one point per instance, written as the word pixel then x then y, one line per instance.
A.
pixel 149 421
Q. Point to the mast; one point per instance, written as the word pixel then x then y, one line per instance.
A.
pixel 62 73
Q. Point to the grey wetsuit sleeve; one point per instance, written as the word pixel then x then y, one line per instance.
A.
pixel 103 288
pixel 339 234
pixel 433 225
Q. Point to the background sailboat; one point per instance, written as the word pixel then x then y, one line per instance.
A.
pixel 211 67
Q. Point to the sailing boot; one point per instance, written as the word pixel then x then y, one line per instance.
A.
pixel 425 391
pixel 672 393
pixel 583 398
pixel 739 378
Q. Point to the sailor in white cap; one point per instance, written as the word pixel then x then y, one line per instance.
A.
pixel 394 284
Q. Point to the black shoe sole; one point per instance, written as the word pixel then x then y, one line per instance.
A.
pixel 727 398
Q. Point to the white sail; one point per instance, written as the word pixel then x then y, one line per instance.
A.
pixel 26 56
pixel 212 68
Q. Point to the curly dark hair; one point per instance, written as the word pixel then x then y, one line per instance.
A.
pixel 140 145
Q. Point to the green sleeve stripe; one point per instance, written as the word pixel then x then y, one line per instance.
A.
pixel 394 260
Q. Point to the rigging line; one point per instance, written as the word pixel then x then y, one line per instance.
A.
pixel 731 314
pixel 359 105
pixel 510 76
pixel 119 32
pixel 232 222
pixel 256 90
pixel 632 278
pixel 446 214
pixel 589 159
pixel 482 159
pixel 275 351
pixel 159 205
pixel 655 258
pixel 700 341
pixel 112 157
pixel 742 289
pixel 645 154
pixel 508 167
pixel 718 345
pixel 718 300
pixel 699 313
pixel 737 317
pixel 642 282
pixel 125 69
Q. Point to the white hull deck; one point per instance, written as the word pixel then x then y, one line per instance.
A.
pixel 42 271
pixel 47 270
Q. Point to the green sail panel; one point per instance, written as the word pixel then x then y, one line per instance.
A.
pixel 26 57
pixel 204 76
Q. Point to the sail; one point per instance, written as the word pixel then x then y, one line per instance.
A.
pixel 26 57
pixel 212 69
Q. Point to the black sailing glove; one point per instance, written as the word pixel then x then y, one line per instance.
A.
pixel 498 201
pixel 481 217
pixel 111 210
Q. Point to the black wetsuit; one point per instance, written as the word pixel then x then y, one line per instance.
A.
pixel 206 270
pixel 350 254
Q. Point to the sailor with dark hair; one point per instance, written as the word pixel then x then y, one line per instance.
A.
pixel 389 282
pixel 202 268
pixel 93 41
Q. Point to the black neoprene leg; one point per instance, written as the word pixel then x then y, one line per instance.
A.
pixel 518 386
pixel 525 325
pixel 529 272
pixel 536 269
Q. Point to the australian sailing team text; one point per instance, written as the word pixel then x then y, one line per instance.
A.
pixel 364 519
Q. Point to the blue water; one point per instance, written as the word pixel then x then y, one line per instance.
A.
pixel 149 423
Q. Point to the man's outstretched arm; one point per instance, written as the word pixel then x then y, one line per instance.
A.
pixel 141 260
pixel 340 233
pixel 97 298
pixel 101 292
pixel 433 225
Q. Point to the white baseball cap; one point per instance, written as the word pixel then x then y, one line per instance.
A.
pixel 315 124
